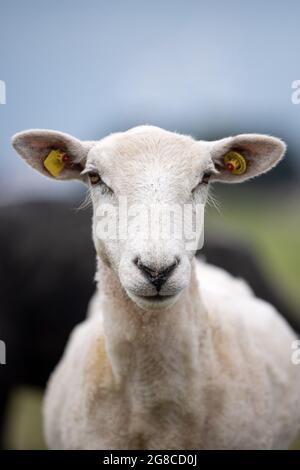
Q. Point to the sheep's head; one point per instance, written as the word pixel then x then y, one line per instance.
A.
pixel 148 187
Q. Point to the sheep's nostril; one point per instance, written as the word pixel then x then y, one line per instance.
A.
pixel 157 277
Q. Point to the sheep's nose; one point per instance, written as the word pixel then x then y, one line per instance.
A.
pixel 155 276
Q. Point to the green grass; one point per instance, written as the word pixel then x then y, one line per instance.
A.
pixel 24 423
pixel 272 226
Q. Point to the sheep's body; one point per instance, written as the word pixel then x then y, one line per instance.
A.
pixel 213 372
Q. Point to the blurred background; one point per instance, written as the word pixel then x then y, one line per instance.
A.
pixel 207 68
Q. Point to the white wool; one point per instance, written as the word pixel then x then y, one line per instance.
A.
pixel 218 376
pixel 210 367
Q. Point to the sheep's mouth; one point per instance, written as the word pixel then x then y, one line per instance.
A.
pixel 154 302
pixel 156 298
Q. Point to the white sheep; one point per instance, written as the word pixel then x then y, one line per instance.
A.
pixel 175 353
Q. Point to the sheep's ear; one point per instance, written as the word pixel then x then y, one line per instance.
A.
pixel 245 156
pixel 52 153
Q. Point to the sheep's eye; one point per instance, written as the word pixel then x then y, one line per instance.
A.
pixel 206 178
pixel 94 178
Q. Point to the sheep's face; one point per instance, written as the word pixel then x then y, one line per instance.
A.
pixel 148 187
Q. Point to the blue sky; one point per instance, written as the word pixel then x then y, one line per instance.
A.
pixel 91 67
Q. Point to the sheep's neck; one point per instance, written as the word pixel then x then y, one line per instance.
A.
pixel 151 347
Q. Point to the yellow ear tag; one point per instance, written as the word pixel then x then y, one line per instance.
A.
pixel 235 163
pixel 55 162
